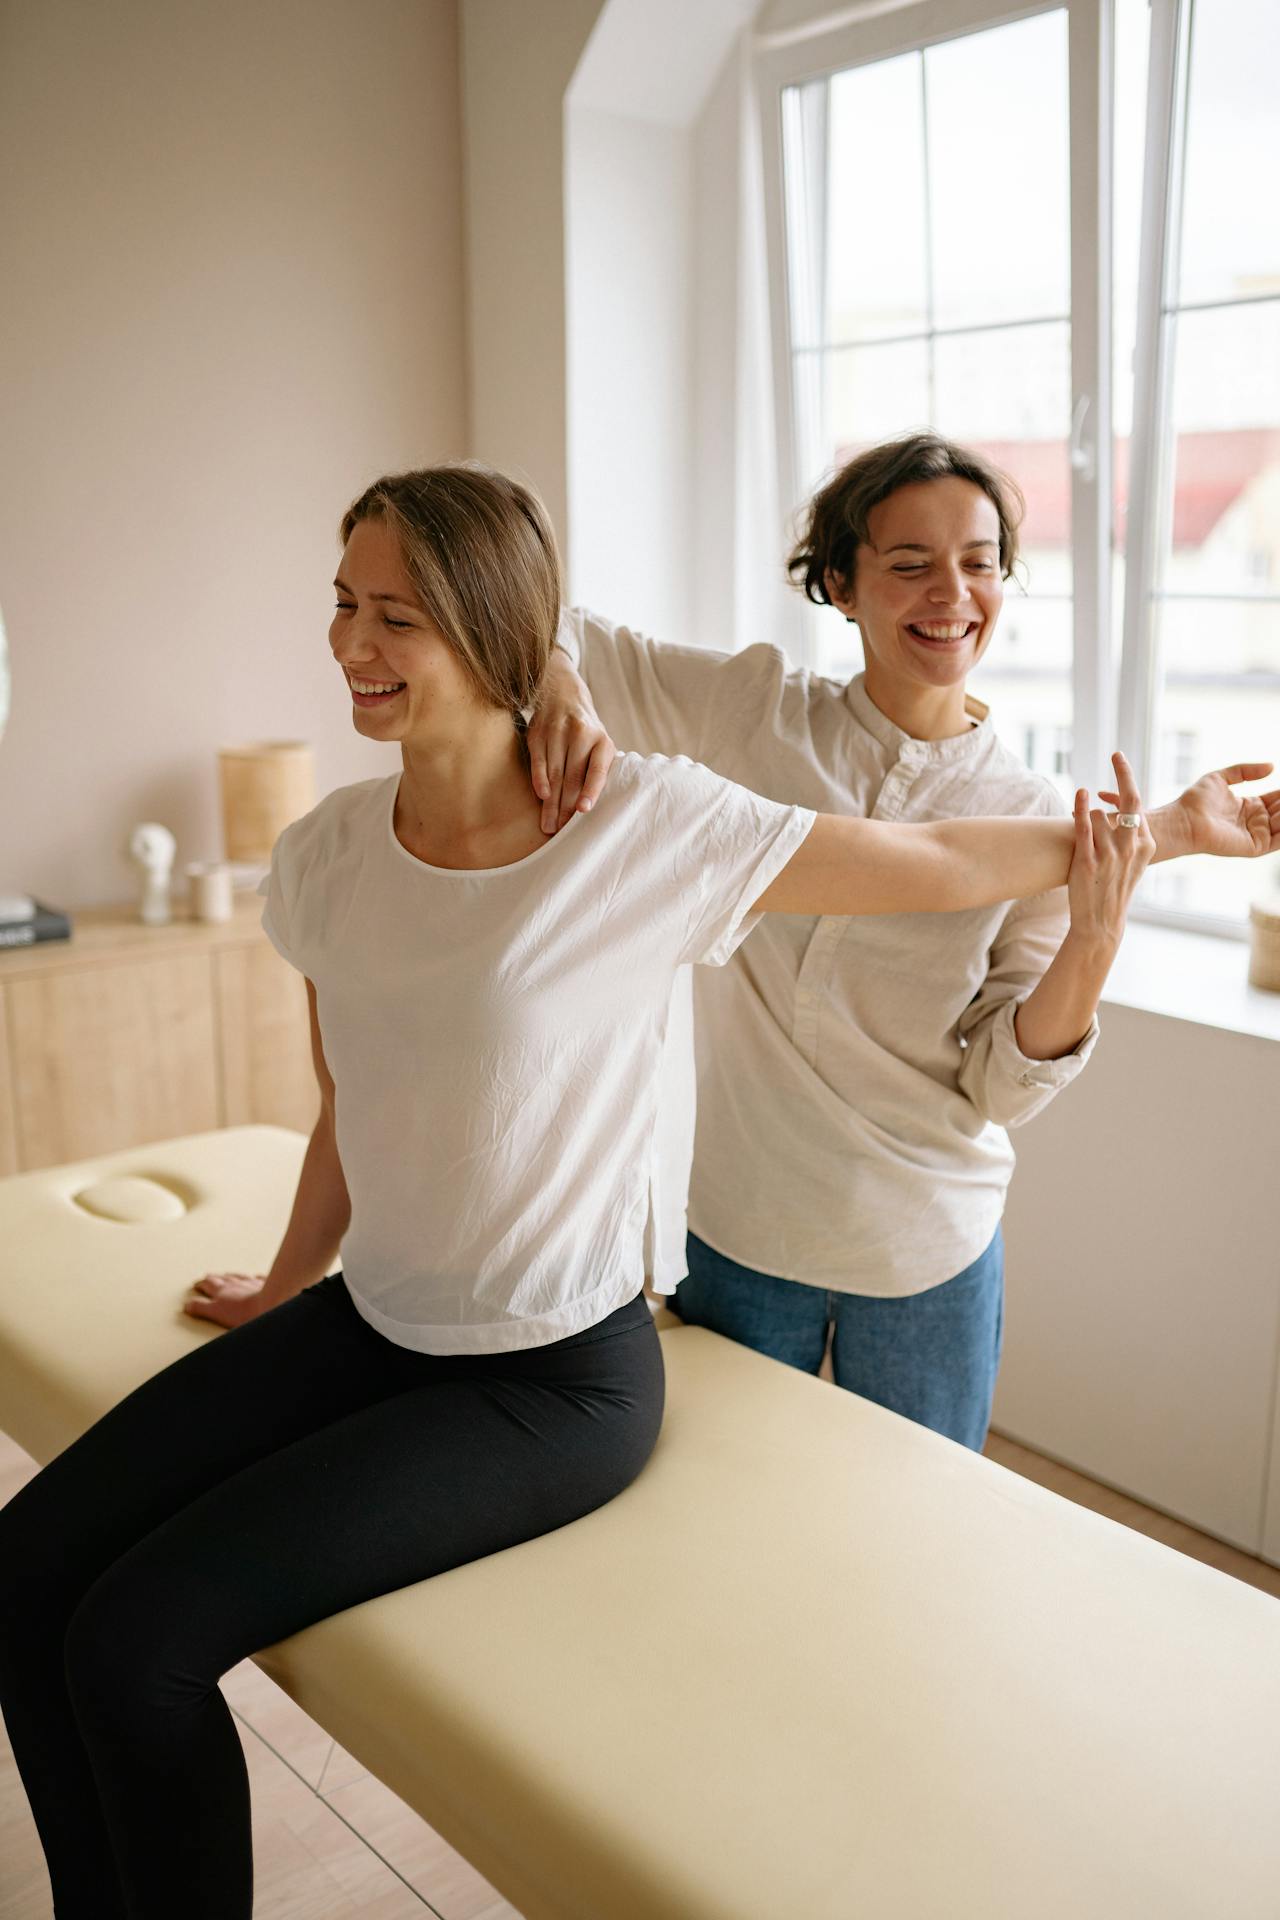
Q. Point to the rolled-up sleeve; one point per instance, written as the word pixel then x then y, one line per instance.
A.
pixel 1000 1080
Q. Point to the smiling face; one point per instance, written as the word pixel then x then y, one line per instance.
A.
pixel 406 681
pixel 926 594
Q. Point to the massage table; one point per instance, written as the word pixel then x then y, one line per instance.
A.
pixel 817 1663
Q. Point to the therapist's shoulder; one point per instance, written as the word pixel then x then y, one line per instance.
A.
pixel 767 708
pixel 757 671
pixel 1009 786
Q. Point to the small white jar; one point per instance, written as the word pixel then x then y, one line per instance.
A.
pixel 210 883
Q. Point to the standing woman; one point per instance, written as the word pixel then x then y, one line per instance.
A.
pixel 856 1077
pixel 488 1011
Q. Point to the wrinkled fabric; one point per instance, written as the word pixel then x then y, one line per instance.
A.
pixel 495 1038
pixel 855 1076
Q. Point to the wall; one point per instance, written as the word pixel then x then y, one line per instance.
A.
pixel 232 240
pixel 742 524
pixel 630 391
pixel 1142 1330
pixel 517 62
pixel 598 212
pixel 654 354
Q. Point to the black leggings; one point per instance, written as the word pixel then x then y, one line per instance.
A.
pixel 279 1474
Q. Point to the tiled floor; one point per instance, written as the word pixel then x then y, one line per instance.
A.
pixel 331 1842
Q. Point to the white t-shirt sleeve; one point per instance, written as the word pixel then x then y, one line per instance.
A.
pixel 731 844
pixel 278 891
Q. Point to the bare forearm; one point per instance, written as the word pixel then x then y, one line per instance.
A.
pixel 988 860
pixel 872 866
pixel 1011 859
pixel 1053 1020
pixel 321 1212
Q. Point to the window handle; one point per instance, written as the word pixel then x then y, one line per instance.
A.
pixel 1082 450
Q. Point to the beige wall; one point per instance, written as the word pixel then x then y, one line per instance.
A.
pixel 517 61
pixel 1142 1330
pixel 233 292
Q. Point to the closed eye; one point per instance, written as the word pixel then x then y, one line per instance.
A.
pixel 920 566
pixel 400 626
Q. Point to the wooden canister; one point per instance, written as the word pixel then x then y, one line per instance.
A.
pixel 264 788
pixel 1264 943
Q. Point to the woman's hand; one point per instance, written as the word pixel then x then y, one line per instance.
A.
pixel 1107 862
pixel 1209 818
pixel 229 1299
pixel 570 753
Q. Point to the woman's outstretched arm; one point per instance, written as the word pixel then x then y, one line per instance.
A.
pixel 870 866
pixel 320 1216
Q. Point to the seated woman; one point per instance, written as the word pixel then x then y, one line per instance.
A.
pixel 855 1076
pixel 487 1017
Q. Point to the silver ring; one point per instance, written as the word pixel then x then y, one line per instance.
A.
pixel 1128 819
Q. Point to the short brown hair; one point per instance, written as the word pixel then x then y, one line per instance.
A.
pixel 836 518
pixel 481 552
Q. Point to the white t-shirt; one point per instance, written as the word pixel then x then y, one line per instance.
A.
pixel 495 1039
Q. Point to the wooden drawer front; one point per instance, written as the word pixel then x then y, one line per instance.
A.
pixel 111 1057
pixel 265 1035
pixel 8 1128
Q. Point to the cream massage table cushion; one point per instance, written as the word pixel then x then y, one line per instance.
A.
pixel 815 1664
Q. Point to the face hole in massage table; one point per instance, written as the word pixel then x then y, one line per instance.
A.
pixel 136 1199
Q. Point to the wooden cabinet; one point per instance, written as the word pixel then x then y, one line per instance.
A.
pixel 126 1034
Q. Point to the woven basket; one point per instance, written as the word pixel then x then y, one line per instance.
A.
pixel 1264 944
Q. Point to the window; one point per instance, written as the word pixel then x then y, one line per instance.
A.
pixel 1181 754
pixel 1202 609
pixel 926 299
pixel 966 283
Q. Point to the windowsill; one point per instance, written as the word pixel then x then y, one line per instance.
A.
pixel 1191 976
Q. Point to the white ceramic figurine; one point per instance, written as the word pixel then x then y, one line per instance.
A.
pixel 152 847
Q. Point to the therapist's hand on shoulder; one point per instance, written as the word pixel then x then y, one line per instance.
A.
pixel 570 753
pixel 228 1299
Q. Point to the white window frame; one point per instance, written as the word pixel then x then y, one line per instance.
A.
pixel 1151 441
pixel 880 33
pixel 1150 489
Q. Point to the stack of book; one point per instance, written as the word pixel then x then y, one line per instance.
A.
pixel 24 921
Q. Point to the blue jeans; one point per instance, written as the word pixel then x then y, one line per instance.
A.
pixel 932 1356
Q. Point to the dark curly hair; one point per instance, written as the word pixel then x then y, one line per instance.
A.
pixel 836 518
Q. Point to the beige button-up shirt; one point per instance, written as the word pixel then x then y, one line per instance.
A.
pixel 855 1076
